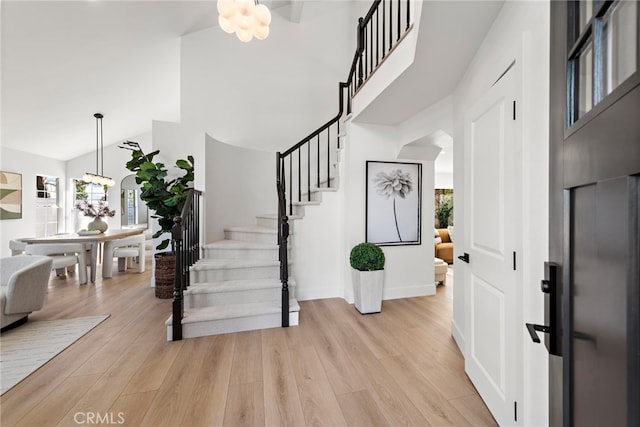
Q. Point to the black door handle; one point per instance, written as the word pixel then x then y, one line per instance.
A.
pixel 532 331
pixel 464 258
pixel 550 287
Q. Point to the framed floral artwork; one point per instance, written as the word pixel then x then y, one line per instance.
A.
pixel 394 197
pixel 10 195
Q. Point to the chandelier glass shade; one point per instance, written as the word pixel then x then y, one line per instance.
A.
pixel 246 18
pixel 98 177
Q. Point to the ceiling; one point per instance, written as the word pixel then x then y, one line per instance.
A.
pixel 63 61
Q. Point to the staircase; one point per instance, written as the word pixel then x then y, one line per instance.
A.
pixel 242 282
pixel 236 285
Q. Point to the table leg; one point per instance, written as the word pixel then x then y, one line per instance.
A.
pixel 94 260
pixel 107 260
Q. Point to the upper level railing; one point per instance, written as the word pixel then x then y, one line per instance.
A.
pixel 185 238
pixel 308 165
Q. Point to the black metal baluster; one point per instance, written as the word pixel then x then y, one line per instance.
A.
pixel 360 49
pixel 329 156
pixel 308 170
pixel 377 38
pixel 291 184
pixel 299 175
pixel 318 159
pixel 408 13
pixel 384 39
pixel 390 25
pixel 399 32
pixel 371 47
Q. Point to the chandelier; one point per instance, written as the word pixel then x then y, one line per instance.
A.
pixel 246 18
pixel 98 177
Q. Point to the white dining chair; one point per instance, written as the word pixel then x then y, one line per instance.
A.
pixel 124 249
pixel 17 247
pixel 64 256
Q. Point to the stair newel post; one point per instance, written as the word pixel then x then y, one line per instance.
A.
pixel 178 306
pixel 283 236
pixel 284 269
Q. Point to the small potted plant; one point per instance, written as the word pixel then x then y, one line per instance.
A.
pixel 367 260
pixel 97 212
pixel 166 197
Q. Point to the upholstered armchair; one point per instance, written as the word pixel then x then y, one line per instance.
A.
pixel 24 280
pixel 444 246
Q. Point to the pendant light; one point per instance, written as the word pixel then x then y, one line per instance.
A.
pixel 98 177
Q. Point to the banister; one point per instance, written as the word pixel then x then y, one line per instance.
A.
pixel 185 239
pixel 362 67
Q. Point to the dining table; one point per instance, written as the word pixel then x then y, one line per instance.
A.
pixel 90 239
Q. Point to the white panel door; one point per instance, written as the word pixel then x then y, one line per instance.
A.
pixel 492 215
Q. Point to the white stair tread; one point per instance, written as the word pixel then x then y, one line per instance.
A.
pixel 321 189
pixel 232 311
pixel 235 285
pixel 252 229
pixel 214 263
pixel 275 216
pixel 238 244
pixel 307 203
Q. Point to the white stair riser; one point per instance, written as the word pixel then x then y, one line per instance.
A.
pixel 245 236
pixel 237 324
pixel 267 222
pixel 224 253
pixel 220 274
pixel 202 299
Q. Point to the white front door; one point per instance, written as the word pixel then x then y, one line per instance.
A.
pixel 492 214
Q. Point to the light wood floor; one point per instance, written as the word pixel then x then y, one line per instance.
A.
pixel 338 368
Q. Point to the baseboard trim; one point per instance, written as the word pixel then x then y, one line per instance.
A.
pixel 410 291
pixel 457 337
pixel 316 293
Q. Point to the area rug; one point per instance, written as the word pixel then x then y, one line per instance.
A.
pixel 26 348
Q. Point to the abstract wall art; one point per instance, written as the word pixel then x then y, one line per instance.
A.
pixel 10 195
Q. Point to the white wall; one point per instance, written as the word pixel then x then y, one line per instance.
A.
pixel 443 180
pixel 409 269
pixel 521 31
pixel 29 165
pixel 176 141
pixel 268 94
pixel 318 254
pixel 240 185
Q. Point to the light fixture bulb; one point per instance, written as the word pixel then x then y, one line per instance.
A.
pixel 261 32
pixel 262 14
pixel 244 35
pixel 227 25
pixel 226 8
pixel 246 22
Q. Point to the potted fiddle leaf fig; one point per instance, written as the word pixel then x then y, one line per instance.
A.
pixel 367 261
pixel 165 196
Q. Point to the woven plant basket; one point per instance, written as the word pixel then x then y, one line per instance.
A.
pixel 165 273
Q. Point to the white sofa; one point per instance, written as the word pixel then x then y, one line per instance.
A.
pixel 24 280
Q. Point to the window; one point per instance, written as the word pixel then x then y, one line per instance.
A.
pixel 88 193
pixel 47 209
pixel 603 52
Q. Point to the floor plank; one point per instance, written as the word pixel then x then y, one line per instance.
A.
pixel 338 367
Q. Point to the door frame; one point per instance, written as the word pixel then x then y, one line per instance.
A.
pixel 560 401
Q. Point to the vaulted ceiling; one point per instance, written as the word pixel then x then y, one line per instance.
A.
pixel 62 61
